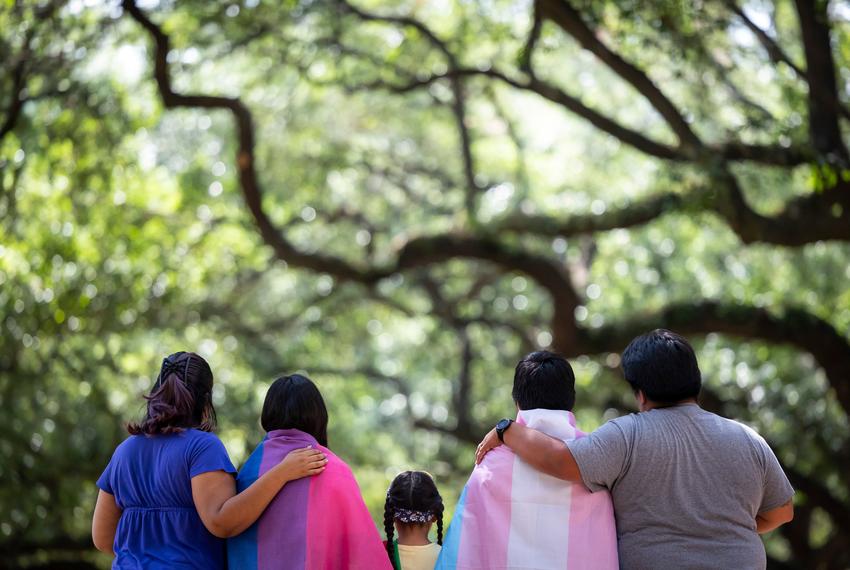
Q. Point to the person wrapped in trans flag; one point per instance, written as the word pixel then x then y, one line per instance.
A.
pixel 511 516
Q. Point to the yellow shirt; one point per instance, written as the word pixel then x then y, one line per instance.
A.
pixel 418 557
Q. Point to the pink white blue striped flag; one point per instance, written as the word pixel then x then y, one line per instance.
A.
pixel 511 516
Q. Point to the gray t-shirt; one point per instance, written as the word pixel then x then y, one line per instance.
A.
pixel 686 484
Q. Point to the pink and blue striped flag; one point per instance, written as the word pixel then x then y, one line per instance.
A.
pixel 315 523
pixel 511 516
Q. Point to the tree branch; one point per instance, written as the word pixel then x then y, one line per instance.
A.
pixel 824 129
pixel 417 252
pixel 458 106
pixel 795 327
pixel 817 216
pixel 555 95
pixel 16 99
pixel 569 19
pixel 633 214
pixel 774 51
pixel 16 96
pixel 526 56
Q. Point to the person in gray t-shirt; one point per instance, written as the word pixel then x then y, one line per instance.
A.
pixel 690 489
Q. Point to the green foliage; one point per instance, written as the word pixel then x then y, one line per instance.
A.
pixel 124 235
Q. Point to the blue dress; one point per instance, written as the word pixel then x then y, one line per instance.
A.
pixel 150 478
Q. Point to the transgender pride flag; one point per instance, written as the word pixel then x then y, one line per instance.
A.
pixel 512 517
pixel 315 523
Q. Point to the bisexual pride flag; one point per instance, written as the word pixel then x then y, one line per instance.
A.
pixel 511 516
pixel 314 523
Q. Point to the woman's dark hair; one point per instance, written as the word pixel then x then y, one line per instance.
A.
pixel 180 398
pixel 663 365
pixel 412 491
pixel 544 380
pixel 294 402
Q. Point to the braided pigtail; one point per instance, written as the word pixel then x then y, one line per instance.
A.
pixel 389 528
pixel 413 499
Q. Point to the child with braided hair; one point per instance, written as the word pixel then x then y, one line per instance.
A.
pixel 413 505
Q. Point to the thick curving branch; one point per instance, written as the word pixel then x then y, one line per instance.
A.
pixel 794 327
pixel 553 94
pixel 417 252
pixel 810 218
pixel 17 97
pixel 633 214
pixel 458 105
pixel 817 216
pixel 773 49
pixel 778 55
pixel 562 13
pixel 824 129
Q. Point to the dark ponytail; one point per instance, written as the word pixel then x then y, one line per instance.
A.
pixel 412 498
pixel 180 398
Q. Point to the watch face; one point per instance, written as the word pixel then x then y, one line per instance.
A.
pixel 503 424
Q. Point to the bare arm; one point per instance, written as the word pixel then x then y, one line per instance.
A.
pixel 774 518
pixel 104 522
pixel 544 453
pixel 226 513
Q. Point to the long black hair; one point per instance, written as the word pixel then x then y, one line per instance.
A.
pixel 412 491
pixel 180 398
pixel 294 402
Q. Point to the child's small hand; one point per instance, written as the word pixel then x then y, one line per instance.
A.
pixel 303 463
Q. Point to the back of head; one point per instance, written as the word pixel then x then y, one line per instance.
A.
pixel 412 498
pixel 544 380
pixel 180 398
pixel 294 402
pixel 663 365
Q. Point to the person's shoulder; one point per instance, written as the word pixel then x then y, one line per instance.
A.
pixel 198 441
pixel 624 424
pixel 335 463
pixel 743 430
pixel 734 430
pixel 130 443
pixel 195 434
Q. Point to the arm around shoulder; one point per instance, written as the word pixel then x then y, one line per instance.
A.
pixel 226 513
pixel 545 454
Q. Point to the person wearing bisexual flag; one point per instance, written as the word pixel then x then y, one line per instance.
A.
pixel 511 516
pixel 315 523
pixel 168 498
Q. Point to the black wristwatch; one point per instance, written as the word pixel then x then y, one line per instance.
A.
pixel 502 427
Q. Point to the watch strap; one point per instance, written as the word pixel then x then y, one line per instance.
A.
pixel 500 431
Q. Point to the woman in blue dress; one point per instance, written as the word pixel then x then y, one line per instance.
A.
pixel 168 496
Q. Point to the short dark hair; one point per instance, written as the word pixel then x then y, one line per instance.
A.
pixel 181 397
pixel 663 365
pixel 294 402
pixel 544 380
